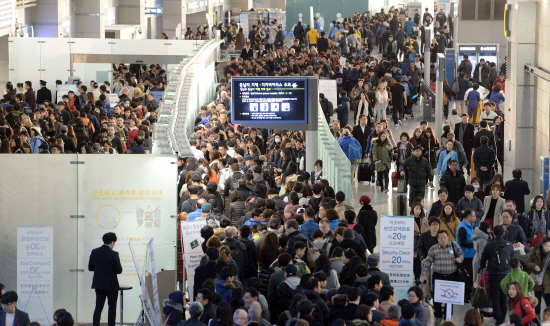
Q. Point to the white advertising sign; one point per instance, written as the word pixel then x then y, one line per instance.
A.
pixel 244 24
pixel 397 252
pixel 151 246
pixel 343 61
pixel 7 17
pixel 328 87
pixel 35 272
pixel 192 246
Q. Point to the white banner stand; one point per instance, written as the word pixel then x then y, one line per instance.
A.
pixel 449 293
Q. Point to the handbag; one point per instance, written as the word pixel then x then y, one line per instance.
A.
pixel 538 277
pixel 463 275
pixel 402 185
pixel 312 254
pixel 481 299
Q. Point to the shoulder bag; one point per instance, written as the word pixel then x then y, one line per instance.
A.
pixel 538 277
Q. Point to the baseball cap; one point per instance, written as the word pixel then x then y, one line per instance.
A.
pixel 291 270
pixel 248 158
pixel 64 128
pixel 449 135
pixel 206 207
pixel 373 259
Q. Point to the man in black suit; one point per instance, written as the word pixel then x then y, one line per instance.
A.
pixel 43 94
pixel 10 315
pixel 105 263
pixel 485 130
pixel 247 52
pixel 204 272
pixel 464 133
pixel 195 311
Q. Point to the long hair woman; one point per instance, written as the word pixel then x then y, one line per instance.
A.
pixel 519 304
pixel 449 221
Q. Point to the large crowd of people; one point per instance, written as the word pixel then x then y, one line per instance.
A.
pixel 281 245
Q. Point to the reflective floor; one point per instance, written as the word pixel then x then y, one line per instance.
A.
pixel 382 202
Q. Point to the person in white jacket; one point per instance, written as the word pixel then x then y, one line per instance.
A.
pixel 381 101
pixel 363 108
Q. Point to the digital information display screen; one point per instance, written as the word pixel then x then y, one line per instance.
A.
pixel 269 100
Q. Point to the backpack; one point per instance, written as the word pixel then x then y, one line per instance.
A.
pixel 337 35
pixel 353 152
pixel 27 110
pixel 290 319
pixel 234 183
pixel 455 87
pixel 330 109
pixel 407 89
pixel 500 258
pixel 239 258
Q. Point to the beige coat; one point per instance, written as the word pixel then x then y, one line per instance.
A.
pixel 500 207
pixel 289 178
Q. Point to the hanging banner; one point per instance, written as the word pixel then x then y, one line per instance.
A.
pixel 35 272
pixel 192 247
pixel 244 25
pixel 397 252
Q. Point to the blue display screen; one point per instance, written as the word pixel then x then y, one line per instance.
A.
pixel 269 100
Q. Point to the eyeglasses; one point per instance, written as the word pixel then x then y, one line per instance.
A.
pixel 7 305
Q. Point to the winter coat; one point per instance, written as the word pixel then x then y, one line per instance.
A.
pixel 464 235
pixel 414 76
pixel 397 152
pixel 480 239
pixel 533 260
pixel 451 227
pixel 441 167
pixel 499 208
pixel 240 41
pixel 425 242
pixel 173 311
pixel 475 205
pixel 368 218
pixel 236 211
pixel 454 183
pixel 465 66
pixel 382 153
pixel 224 288
pixel 343 110
pixel 419 170
pixel 484 156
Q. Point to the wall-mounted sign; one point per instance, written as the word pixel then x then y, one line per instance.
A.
pixel 477 48
pixel 196 6
pixel 7 17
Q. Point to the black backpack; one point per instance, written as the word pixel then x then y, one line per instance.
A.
pixel 234 183
pixel 240 259
pixel 500 258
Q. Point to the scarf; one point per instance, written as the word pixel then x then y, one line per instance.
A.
pixel 445 161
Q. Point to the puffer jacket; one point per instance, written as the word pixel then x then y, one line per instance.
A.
pixel 236 211
pixel 419 170
pixel 382 153
pixel 224 288
pixel 172 309
pixel 454 183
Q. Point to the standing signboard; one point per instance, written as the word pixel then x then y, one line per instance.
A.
pixel 35 272
pixel 329 89
pixel 397 252
pixel 151 247
pixel 192 247
pixel 450 293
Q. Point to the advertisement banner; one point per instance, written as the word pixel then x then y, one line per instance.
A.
pixel 397 252
pixel 329 89
pixel 35 272
pixel 192 247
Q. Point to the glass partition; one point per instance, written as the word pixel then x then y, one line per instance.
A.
pixel 81 198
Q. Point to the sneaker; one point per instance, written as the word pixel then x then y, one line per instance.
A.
pixel 377 182
pixel 386 190
pixel 372 179
pixel 438 321
pixel 400 123
pixel 397 125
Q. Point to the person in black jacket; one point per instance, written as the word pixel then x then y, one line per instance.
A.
pixel 498 268
pixel 205 272
pixel 516 190
pixel 236 245
pixel 484 159
pixel 313 294
pixel 428 239
pixel 173 309
pixel 464 133
pixel 368 218
pixel 9 305
pixel 322 43
pixel 419 171
pixel 251 253
pixel 105 263
pixel 453 180
pixel 43 94
pixel 361 132
pixel 349 311
pixel 204 296
pixel 247 52
pixel 485 130
pixel 299 32
pixel 348 242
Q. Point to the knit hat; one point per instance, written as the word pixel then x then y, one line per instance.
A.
pixel 364 199
pixel 125 91
pixel 289 209
pixel 373 259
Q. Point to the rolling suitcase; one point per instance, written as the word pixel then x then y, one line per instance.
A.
pixel 394 179
pixel 399 204
pixel 363 172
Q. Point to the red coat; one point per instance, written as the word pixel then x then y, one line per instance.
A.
pixel 523 307
pixel 502 84
pixel 132 134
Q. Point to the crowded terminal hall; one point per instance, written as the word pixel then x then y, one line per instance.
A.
pixel 334 165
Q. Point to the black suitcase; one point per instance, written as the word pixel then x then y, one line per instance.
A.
pixel 399 204
pixel 363 172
